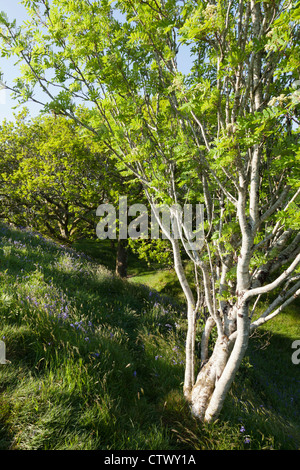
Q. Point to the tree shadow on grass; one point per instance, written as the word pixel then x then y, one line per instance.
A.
pixel 276 375
pixel 114 365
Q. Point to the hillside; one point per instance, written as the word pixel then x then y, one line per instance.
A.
pixel 95 362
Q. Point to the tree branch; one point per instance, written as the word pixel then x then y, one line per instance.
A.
pixel 267 288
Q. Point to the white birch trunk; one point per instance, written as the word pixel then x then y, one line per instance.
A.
pixel 217 374
pixel 224 382
pixel 189 377
pixel 207 378
pixel 189 374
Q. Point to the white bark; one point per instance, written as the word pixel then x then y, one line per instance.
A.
pixel 189 376
pixel 224 382
pixel 189 373
pixel 207 378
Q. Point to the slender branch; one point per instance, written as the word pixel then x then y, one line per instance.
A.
pixel 265 318
pixel 267 288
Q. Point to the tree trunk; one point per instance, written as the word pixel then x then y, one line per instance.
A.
pixel 217 374
pixel 234 361
pixel 207 378
pixel 189 377
pixel 121 261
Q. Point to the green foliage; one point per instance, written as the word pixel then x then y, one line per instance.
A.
pixel 53 178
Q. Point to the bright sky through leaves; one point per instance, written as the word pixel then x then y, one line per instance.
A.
pixel 15 10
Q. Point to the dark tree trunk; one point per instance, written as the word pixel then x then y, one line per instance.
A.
pixel 121 262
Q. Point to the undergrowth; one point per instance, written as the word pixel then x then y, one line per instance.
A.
pixel 96 362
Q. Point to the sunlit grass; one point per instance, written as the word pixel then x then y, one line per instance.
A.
pixel 97 363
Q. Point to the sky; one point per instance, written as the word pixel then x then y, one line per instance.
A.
pixel 15 10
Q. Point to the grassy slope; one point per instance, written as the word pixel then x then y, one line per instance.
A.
pixel 97 363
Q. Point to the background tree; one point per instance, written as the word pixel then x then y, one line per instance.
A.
pixel 53 178
pixel 48 176
pixel 224 135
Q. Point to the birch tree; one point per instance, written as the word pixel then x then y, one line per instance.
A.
pixel 224 135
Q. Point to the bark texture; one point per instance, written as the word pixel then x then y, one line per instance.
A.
pixel 208 377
